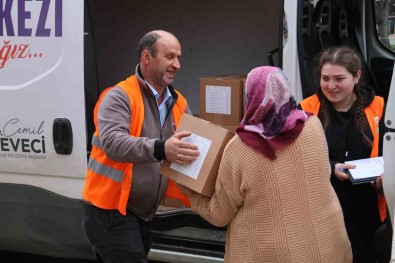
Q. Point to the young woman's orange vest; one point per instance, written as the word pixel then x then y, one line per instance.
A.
pixel 373 113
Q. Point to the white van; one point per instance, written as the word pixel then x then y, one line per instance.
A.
pixel 56 56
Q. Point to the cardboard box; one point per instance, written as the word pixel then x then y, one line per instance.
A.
pixel 221 99
pixel 231 128
pixel 211 139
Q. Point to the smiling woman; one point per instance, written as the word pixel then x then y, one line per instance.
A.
pixel 337 85
pixel 352 116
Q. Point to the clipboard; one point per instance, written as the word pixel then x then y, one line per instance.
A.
pixel 356 181
pixel 366 170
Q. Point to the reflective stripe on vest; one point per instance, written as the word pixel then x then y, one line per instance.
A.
pixel 108 183
pixel 373 114
pixel 105 170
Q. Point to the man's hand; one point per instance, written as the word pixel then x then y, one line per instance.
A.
pixel 180 152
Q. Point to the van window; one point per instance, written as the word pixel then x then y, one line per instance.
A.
pixel 385 22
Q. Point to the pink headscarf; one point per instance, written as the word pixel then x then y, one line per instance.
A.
pixel 271 121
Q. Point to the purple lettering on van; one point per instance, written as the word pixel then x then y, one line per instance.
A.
pixel 23 15
pixel 41 30
pixel 58 18
pixel 5 18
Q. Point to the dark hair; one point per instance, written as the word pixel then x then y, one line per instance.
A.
pixel 341 56
pixel 349 59
pixel 147 42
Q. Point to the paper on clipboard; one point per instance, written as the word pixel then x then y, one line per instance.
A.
pixel 366 169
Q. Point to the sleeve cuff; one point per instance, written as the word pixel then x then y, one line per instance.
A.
pixel 159 150
pixel 332 167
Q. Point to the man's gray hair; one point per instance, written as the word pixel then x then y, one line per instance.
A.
pixel 148 42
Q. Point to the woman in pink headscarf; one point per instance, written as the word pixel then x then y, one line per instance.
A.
pixel 273 189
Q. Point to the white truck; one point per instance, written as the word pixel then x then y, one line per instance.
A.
pixel 56 56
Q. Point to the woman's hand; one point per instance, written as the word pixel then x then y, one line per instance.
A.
pixel 378 184
pixel 340 171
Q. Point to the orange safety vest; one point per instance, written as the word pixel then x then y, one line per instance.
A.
pixel 108 182
pixel 373 113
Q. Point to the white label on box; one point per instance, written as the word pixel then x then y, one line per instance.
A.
pixel 192 170
pixel 218 99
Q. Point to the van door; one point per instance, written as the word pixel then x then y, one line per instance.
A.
pixel 380 51
pixel 42 121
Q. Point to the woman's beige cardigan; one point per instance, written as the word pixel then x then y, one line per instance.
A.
pixel 278 211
